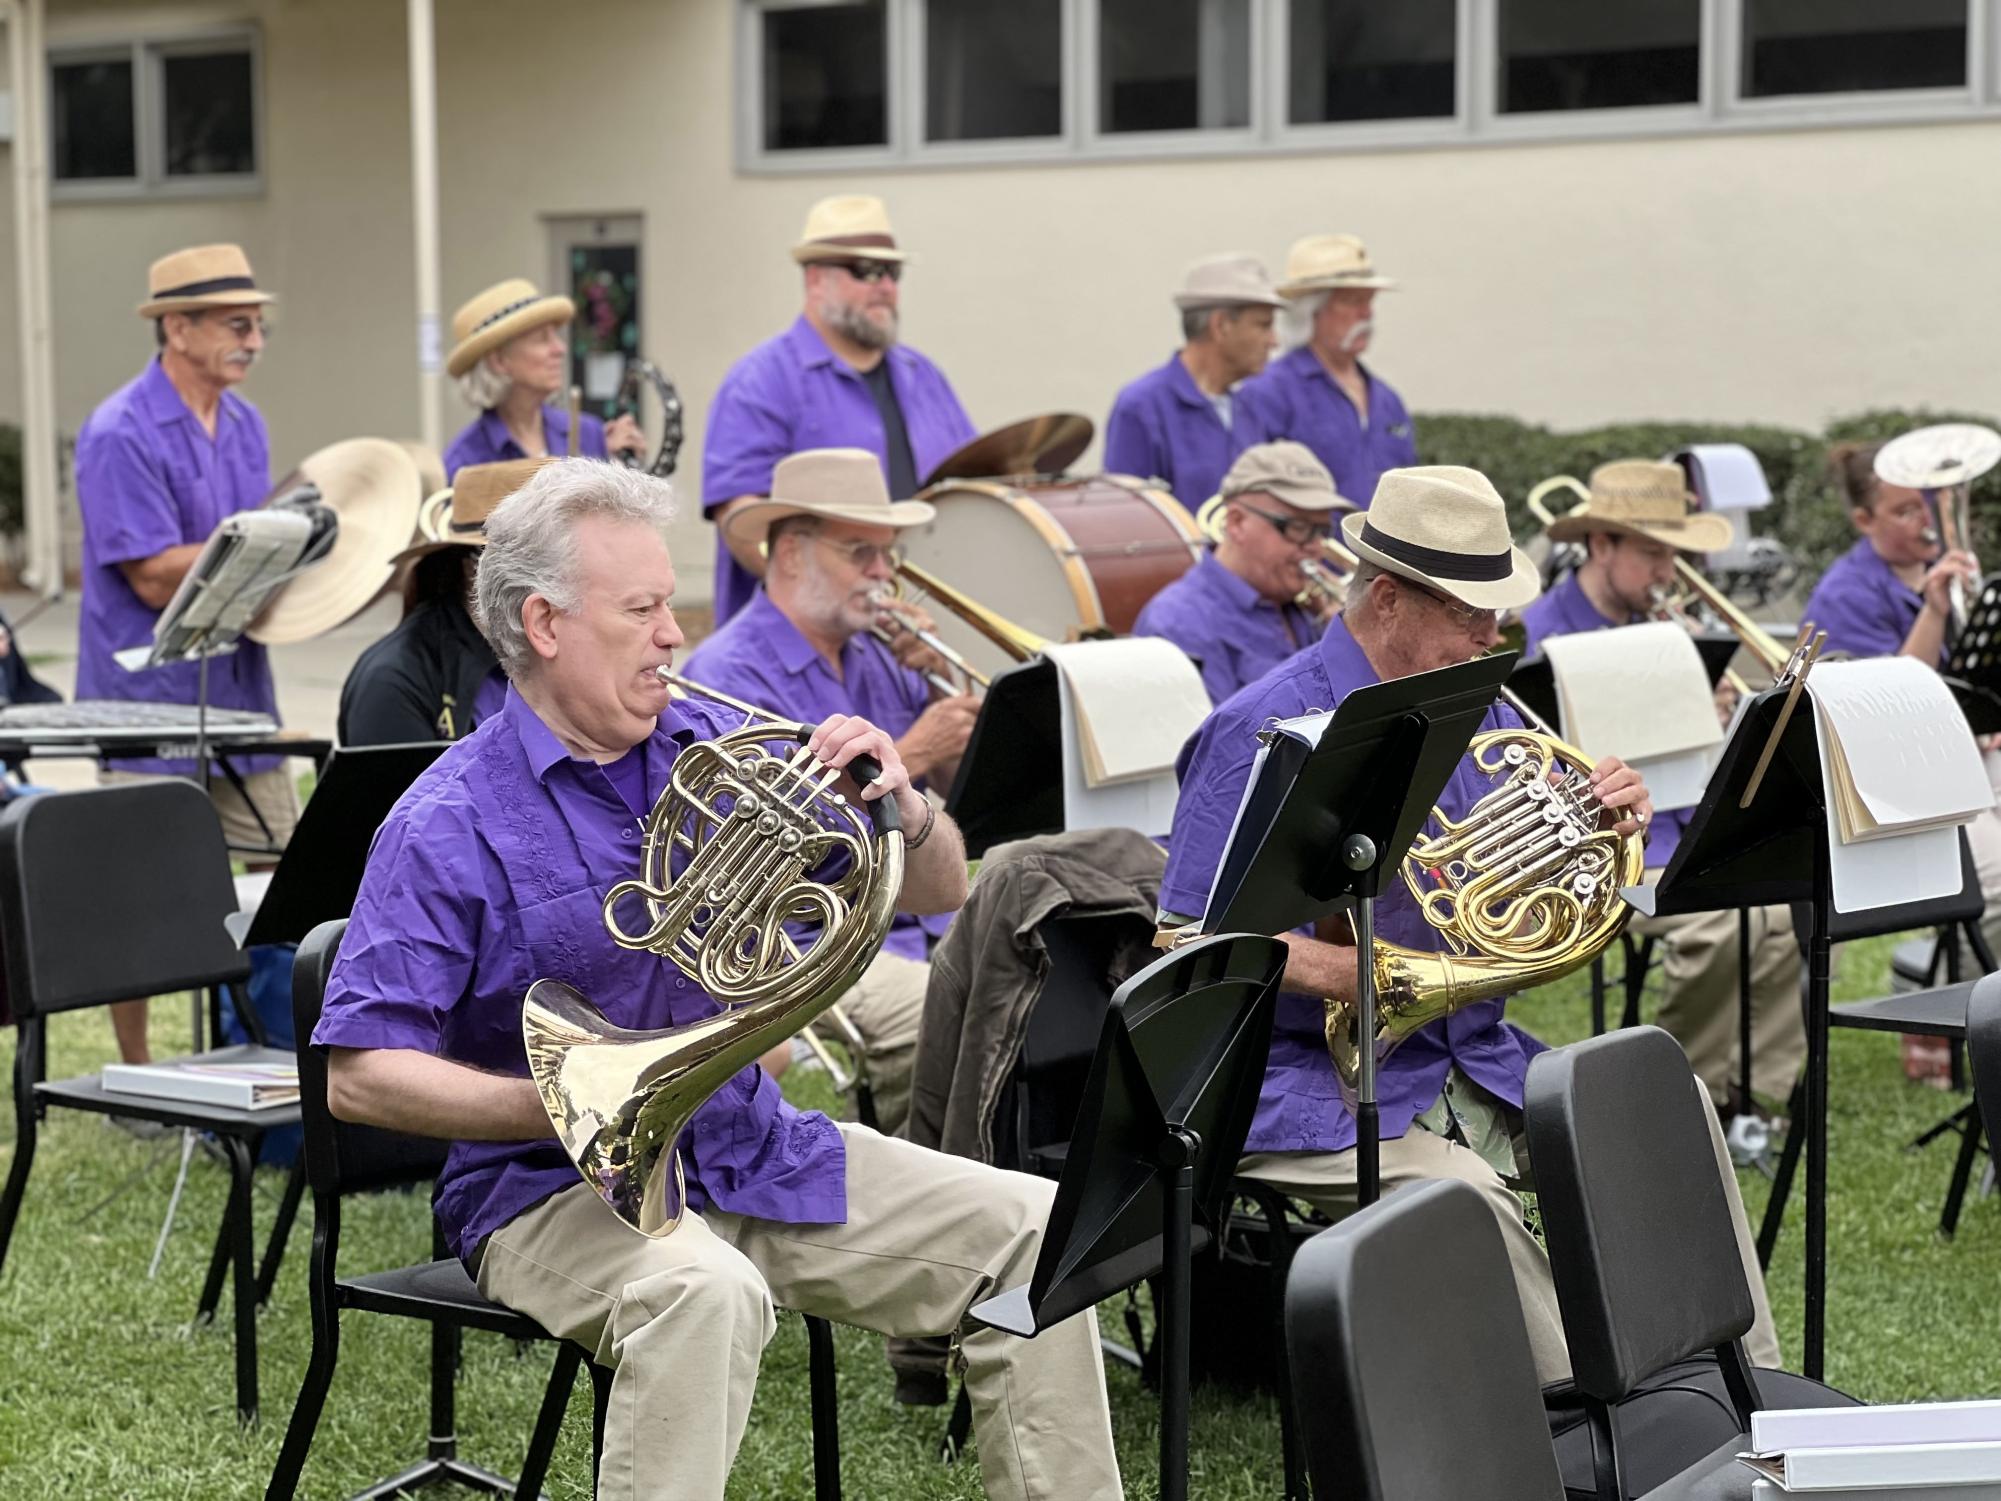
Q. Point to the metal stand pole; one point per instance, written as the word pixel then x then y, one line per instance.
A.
pixel 1816 1115
pixel 1360 854
pixel 1178 1151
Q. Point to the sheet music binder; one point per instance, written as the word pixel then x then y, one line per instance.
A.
pixel 1534 682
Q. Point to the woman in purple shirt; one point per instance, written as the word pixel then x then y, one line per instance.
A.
pixel 511 357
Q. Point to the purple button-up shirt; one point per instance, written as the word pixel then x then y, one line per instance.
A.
pixel 761 658
pixel 486 440
pixel 792 393
pixel 1296 398
pixel 1565 611
pixel 1163 427
pixel 149 477
pixel 1300 1108
pixel 1233 632
pixel 1866 610
pixel 491 874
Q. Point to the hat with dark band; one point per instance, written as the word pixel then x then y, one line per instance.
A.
pixel 202 277
pixel 1445 527
pixel 503 310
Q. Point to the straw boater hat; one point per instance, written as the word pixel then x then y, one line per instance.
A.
pixel 1445 527
pixel 373 488
pixel 496 315
pixel 205 276
pixel 1227 281
pixel 843 484
pixel 1643 498
pixel 1285 471
pixel 456 517
pixel 852 227
pixel 1321 263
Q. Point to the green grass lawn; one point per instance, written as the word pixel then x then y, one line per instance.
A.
pixel 110 1394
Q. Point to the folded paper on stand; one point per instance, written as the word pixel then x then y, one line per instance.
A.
pixel 1134 701
pixel 246 557
pixel 1635 692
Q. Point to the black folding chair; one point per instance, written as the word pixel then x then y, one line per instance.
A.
pixel 105 895
pixel 1647 1267
pixel 1407 1346
pixel 1983 1044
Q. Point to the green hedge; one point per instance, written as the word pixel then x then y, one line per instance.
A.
pixel 1805 513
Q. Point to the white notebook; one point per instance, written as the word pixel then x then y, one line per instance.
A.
pixel 1876 1467
pixel 236 1086
pixel 1765 1490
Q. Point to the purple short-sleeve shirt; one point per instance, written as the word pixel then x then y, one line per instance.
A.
pixel 149 477
pixel 491 874
pixel 486 440
pixel 1163 427
pixel 1300 1108
pixel 792 393
pixel 1866 610
pixel 1296 398
pixel 1234 633
pixel 761 658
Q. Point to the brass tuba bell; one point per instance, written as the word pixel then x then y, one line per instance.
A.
pixel 764 885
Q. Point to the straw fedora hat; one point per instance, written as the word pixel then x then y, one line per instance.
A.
pixel 1227 281
pixel 374 489
pixel 843 484
pixel 456 517
pixel 484 323
pixel 203 276
pixel 1446 527
pixel 1321 263
pixel 1645 498
pixel 849 227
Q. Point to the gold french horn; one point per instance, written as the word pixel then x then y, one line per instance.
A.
pixel 761 883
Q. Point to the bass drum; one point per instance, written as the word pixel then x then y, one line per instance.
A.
pixel 1064 558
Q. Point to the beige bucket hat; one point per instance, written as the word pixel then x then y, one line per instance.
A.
pixel 848 227
pixel 373 487
pixel 484 323
pixel 199 277
pixel 1445 527
pixel 1645 498
pixel 844 484
pixel 1285 471
pixel 1321 263
pixel 1233 280
pixel 456 517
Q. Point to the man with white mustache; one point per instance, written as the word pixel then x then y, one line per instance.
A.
pixel 159 464
pixel 1319 393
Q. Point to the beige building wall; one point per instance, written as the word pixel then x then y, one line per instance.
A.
pixel 1780 276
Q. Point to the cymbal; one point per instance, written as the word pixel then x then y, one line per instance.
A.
pixel 1940 456
pixel 1047 444
pixel 375 489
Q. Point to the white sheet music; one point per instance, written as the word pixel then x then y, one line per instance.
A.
pixel 245 558
pixel 1142 803
pixel 1136 702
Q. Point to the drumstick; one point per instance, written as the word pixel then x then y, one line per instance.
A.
pixel 576 417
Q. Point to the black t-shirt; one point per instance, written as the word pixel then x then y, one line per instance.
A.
pixel 895 436
pixel 419 681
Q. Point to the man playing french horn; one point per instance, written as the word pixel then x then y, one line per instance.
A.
pixel 1436 566
pixel 491 874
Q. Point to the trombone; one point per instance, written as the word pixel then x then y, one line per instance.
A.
pixel 889 625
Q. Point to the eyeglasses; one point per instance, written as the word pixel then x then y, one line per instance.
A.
pixel 861 556
pixel 1465 617
pixel 871 272
pixel 240 326
pixel 1296 531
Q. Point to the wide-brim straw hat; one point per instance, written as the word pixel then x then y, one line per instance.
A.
pixel 1645 498
pixel 202 276
pixel 848 227
pixel 456 517
pixel 373 488
pixel 1447 528
pixel 503 310
pixel 1233 280
pixel 1323 263
pixel 842 484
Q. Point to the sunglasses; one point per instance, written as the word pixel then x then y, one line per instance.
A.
pixel 242 327
pixel 1292 528
pixel 871 272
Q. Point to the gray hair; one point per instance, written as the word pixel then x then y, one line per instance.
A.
pixel 484 387
pixel 1295 320
pixel 531 543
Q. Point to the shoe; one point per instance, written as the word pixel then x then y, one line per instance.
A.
pixel 134 1126
pixel 921 1388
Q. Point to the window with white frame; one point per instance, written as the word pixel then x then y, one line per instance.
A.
pixel 159 115
pixel 890 82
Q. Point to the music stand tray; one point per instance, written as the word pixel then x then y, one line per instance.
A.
pixel 320 872
pixel 1168 1103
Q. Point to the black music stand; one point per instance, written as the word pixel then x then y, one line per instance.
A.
pixel 1973 668
pixel 1169 1100
pixel 1010 779
pixel 1321 825
pixel 1775 850
pixel 320 872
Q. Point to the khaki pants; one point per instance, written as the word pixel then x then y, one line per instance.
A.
pixel 885 1005
pixel 1326 1180
pixel 273 792
pixel 684 1320
pixel 1700 1008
